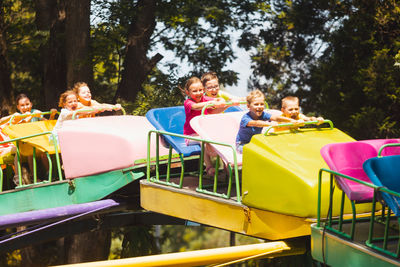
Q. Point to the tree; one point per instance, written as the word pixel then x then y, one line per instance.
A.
pixel 199 33
pixel 50 17
pixel 5 81
pixel 338 56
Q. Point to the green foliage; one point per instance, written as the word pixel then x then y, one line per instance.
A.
pixel 338 57
pixel 198 33
pixel 188 238
pixel 23 41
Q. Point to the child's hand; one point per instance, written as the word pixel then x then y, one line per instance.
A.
pixel 36 114
pixel 320 120
pixel 298 123
pixel 219 103
pixel 53 113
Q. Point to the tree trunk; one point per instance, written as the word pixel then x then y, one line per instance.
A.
pixel 89 246
pixel 79 63
pixel 6 93
pixel 137 66
pixel 50 16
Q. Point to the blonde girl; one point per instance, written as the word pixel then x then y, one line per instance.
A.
pixel 85 98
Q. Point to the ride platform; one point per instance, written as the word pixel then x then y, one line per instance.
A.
pixel 333 250
pixel 227 214
pixel 65 192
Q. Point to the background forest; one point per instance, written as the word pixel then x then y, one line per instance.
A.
pixel 337 56
pixel 341 57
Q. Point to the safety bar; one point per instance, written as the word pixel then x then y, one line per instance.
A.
pixel 302 124
pixel 87 110
pixel 385 146
pixel 229 103
pixel 31 114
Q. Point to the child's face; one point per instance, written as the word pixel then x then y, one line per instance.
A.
pixel 196 91
pixel 291 109
pixel 84 95
pixel 24 105
pixel 71 102
pixel 212 88
pixel 256 106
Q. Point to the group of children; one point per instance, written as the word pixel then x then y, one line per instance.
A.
pixel 78 98
pixel 205 91
pixel 201 92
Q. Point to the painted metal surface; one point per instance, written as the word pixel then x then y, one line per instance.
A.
pixel 41 142
pixel 95 145
pixel 199 257
pixel 221 213
pixel 280 171
pixel 62 193
pixel 342 253
pixel 31 217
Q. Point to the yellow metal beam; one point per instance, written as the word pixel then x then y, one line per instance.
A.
pixel 221 213
pixel 199 257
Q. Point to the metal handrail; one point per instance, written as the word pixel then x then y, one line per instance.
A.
pixel 385 146
pixel 18 154
pixel 302 124
pixel 371 238
pixel 159 132
pixel 229 103
pixel 86 110
pixel 31 114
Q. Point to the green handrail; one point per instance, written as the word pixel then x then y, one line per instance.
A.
pixel 292 124
pixel 86 110
pixel 378 188
pixel 201 190
pixel 371 236
pixel 229 103
pixel 385 146
pixel 31 114
pixel 31 136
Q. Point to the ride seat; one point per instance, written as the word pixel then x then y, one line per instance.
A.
pixel 172 119
pixel 384 172
pixel 221 128
pixel 348 159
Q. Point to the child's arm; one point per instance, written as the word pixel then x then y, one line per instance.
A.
pixel 53 113
pixel 201 105
pixel 259 123
pixel 280 118
pixel 320 120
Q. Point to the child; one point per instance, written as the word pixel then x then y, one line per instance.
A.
pixel 211 84
pixel 24 106
pixel 193 105
pixel 69 104
pixel 290 109
pixel 85 98
pixel 253 121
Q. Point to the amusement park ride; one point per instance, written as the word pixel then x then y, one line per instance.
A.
pixel 311 181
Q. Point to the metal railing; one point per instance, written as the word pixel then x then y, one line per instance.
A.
pixel 280 125
pixel 371 237
pixel 18 154
pixel 200 188
pixel 91 110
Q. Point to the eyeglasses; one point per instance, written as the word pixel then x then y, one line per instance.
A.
pixel 213 88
